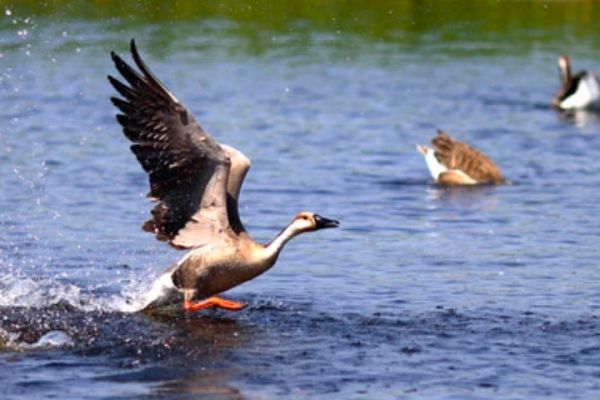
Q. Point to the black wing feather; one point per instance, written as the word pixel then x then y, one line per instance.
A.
pixel 179 157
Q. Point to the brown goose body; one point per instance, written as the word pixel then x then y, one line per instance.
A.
pixel 195 182
pixel 452 162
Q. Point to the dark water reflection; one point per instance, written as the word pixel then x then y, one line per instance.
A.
pixel 256 353
pixel 423 292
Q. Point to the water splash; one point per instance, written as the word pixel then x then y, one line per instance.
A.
pixel 136 295
pixel 51 339
pixel 128 295
pixel 22 291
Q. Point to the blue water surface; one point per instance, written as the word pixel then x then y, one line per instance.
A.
pixel 422 293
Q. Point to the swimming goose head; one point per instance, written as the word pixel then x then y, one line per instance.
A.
pixel 568 85
pixel 564 66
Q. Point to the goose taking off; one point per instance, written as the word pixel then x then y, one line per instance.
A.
pixel 195 183
pixel 576 92
pixel 454 163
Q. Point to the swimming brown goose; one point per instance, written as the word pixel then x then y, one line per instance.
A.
pixel 455 163
pixel 576 92
pixel 196 184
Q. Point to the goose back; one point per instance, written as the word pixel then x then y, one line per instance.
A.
pixel 458 156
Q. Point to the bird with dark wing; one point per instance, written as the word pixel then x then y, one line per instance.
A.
pixel 195 182
pixel 576 92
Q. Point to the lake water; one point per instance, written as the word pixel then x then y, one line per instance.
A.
pixel 422 293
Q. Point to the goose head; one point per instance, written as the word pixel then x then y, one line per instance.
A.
pixel 307 221
pixel 567 84
pixel 564 66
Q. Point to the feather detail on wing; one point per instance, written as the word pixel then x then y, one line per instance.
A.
pixel 188 170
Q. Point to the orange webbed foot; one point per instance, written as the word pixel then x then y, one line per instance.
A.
pixel 213 302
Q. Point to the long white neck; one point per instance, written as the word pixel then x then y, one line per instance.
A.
pixel 272 250
pixel 565 69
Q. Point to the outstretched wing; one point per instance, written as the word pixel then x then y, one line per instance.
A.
pixel 457 155
pixel 188 170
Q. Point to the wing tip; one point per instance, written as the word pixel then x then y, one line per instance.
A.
pixel 133 49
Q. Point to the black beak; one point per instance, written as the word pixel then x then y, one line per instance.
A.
pixel 323 222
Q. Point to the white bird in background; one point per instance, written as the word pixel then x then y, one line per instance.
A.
pixel 577 92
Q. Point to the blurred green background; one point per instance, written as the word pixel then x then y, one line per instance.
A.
pixel 409 21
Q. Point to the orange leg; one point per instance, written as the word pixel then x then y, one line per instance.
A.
pixel 213 302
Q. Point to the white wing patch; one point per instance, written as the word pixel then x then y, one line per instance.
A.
pixel 587 94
